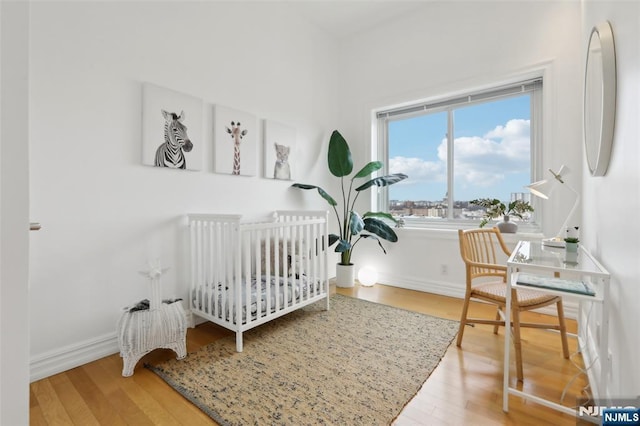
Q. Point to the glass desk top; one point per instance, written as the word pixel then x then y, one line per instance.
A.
pixel 534 254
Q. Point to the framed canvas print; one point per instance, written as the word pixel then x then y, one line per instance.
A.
pixel 171 129
pixel 279 150
pixel 235 138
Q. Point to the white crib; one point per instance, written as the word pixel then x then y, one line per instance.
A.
pixel 244 274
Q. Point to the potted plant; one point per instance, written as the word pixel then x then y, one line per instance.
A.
pixel 351 224
pixel 495 208
pixel 571 239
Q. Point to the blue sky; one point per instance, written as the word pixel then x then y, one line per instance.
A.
pixel 491 152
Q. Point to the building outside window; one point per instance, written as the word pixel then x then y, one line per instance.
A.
pixel 483 144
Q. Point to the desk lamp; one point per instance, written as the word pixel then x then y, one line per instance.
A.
pixel 543 189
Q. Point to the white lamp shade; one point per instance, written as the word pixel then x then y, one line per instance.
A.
pixel 542 188
pixel 367 276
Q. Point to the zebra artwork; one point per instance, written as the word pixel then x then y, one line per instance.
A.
pixel 176 142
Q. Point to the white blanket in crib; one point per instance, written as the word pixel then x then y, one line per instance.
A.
pixel 279 287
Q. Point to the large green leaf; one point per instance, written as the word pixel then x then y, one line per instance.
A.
pixel 340 162
pixel 321 191
pixel 343 245
pixel 383 181
pixel 381 229
pixel 333 238
pixel 382 215
pixel 368 169
pixel 356 224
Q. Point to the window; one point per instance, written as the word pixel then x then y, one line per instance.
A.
pixel 480 145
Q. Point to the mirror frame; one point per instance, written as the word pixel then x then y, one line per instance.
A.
pixel 602 142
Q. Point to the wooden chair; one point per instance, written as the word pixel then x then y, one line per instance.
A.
pixel 478 248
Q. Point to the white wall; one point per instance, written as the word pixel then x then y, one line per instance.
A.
pixel 611 203
pixel 104 215
pixel 449 47
pixel 14 214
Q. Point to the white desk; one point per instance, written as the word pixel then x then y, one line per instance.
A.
pixel 533 258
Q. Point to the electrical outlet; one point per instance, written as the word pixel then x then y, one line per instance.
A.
pixel 443 269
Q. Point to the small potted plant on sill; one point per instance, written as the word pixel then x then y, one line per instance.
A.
pixel 352 226
pixel 495 208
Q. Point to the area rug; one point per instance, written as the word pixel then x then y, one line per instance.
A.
pixel 357 364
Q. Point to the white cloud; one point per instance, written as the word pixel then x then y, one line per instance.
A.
pixel 479 160
pixel 488 160
pixel 418 169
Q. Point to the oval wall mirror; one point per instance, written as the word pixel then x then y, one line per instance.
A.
pixel 599 98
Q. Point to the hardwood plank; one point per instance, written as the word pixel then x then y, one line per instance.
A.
pixel 181 408
pixel 76 407
pixel 155 396
pixel 465 388
pixel 152 409
pixel 36 416
pixel 109 379
pixel 128 409
pixel 99 402
pixel 52 408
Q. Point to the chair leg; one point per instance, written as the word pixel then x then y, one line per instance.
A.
pixel 563 329
pixel 498 318
pixel 515 316
pixel 463 320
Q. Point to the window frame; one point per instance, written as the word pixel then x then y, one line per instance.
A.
pixel 449 102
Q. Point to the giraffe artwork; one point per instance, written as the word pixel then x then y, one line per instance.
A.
pixel 237 134
pixel 235 142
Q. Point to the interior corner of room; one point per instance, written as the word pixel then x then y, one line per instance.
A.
pixel 72 76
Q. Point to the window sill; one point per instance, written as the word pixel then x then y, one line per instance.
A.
pixel 449 230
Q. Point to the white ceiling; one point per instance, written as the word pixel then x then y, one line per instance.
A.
pixel 348 17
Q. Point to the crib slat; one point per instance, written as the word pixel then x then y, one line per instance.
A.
pixel 221 273
pixel 229 268
pixel 247 276
pixel 307 262
pixel 260 310
pixel 291 278
pixel 237 280
pixel 199 256
pixel 207 261
pixel 285 262
pixel 316 258
pixel 193 295
pixel 267 272
pixel 306 259
pixel 214 232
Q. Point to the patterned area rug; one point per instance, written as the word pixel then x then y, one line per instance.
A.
pixel 357 364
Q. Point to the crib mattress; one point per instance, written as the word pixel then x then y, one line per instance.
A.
pixel 294 289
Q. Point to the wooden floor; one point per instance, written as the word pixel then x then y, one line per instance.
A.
pixel 465 388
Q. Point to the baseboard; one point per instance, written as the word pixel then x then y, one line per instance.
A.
pixel 444 288
pixel 441 288
pixel 589 350
pixel 68 357
pixel 71 356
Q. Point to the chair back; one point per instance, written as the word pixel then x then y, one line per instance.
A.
pixel 479 251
